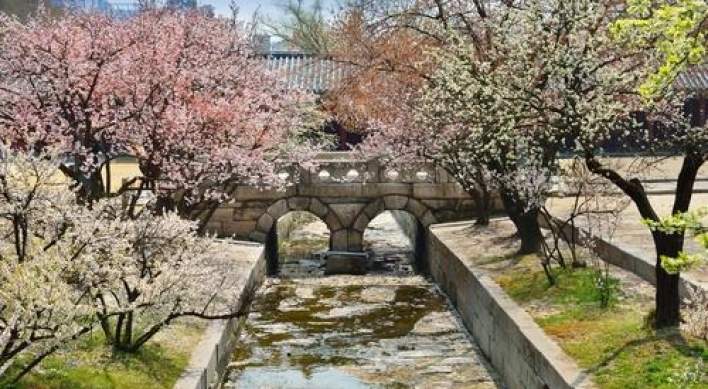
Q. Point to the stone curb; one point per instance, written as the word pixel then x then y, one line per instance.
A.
pixel 211 355
pixel 523 355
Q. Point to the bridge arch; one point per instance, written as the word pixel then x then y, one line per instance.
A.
pixel 266 225
pixel 394 203
pixel 422 215
pixel 350 236
pixel 279 208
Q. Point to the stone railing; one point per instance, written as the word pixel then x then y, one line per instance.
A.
pixel 342 167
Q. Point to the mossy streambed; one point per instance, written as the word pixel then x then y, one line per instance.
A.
pixel 384 330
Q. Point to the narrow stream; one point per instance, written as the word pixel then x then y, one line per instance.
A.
pixel 388 329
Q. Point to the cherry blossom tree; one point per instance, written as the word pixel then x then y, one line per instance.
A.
pixel 384 46
pixel 178 91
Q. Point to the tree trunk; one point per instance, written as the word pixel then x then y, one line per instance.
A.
pixel 483 202
pixel 668 301
pixel 529 232
pixel 526 222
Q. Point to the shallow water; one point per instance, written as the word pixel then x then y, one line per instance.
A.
pixel 389 329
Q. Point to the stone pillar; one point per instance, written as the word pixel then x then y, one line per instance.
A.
pixel 346 239
pixel 421 248
pixel 271 250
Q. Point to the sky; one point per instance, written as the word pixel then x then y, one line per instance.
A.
pixel 247 7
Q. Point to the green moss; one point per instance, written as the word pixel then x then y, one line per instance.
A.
pixel 657 362
pixel 300 248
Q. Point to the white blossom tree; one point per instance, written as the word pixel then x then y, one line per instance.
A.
pixel 160 271
pixel 66 268
pixel 512 90
pixel 40 308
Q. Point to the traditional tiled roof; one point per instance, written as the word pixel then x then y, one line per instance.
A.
pixel 305 71
pixel 693 79
pixel 317 74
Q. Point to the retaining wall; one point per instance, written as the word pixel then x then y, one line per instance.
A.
pixel 523 355
pixel 210 358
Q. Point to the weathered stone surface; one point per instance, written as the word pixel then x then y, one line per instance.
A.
pixel 522 354
pixel 395 202
pixel 354 240
pixel 305 292
pixel 346 263
pixel 345 312
pixel 374 208
pixel 332 221
pixel 257 236
pixel 339 240
pixel 265 223
pixel 248 213
pixel 278 209
pixel 378 295
pixel 416 208
pixel 361 222
pixel 299 203
pixel 437 204
pixel 223 213
pixel 383 307
pixel 238 228
pixel 318 208
pixel 428 219
pixel 440 191
pixel 243 193
pixel 347 213
pixel 435 323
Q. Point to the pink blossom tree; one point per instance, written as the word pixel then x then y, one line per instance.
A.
pixel 180 92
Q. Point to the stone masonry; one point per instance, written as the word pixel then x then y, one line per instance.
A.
pixel 346 193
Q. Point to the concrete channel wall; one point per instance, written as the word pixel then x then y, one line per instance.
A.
pixel 210 358
pixel 523 355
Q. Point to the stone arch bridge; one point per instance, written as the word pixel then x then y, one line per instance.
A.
pixel 346 193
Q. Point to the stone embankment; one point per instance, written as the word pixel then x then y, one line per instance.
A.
pixel 522 354
pixel 209 358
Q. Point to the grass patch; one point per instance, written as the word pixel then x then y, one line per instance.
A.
pixel 524 282
pixel 91 364
pixel 610 343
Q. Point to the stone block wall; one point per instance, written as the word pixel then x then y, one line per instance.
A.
pixel 523 355
pixel 210 357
